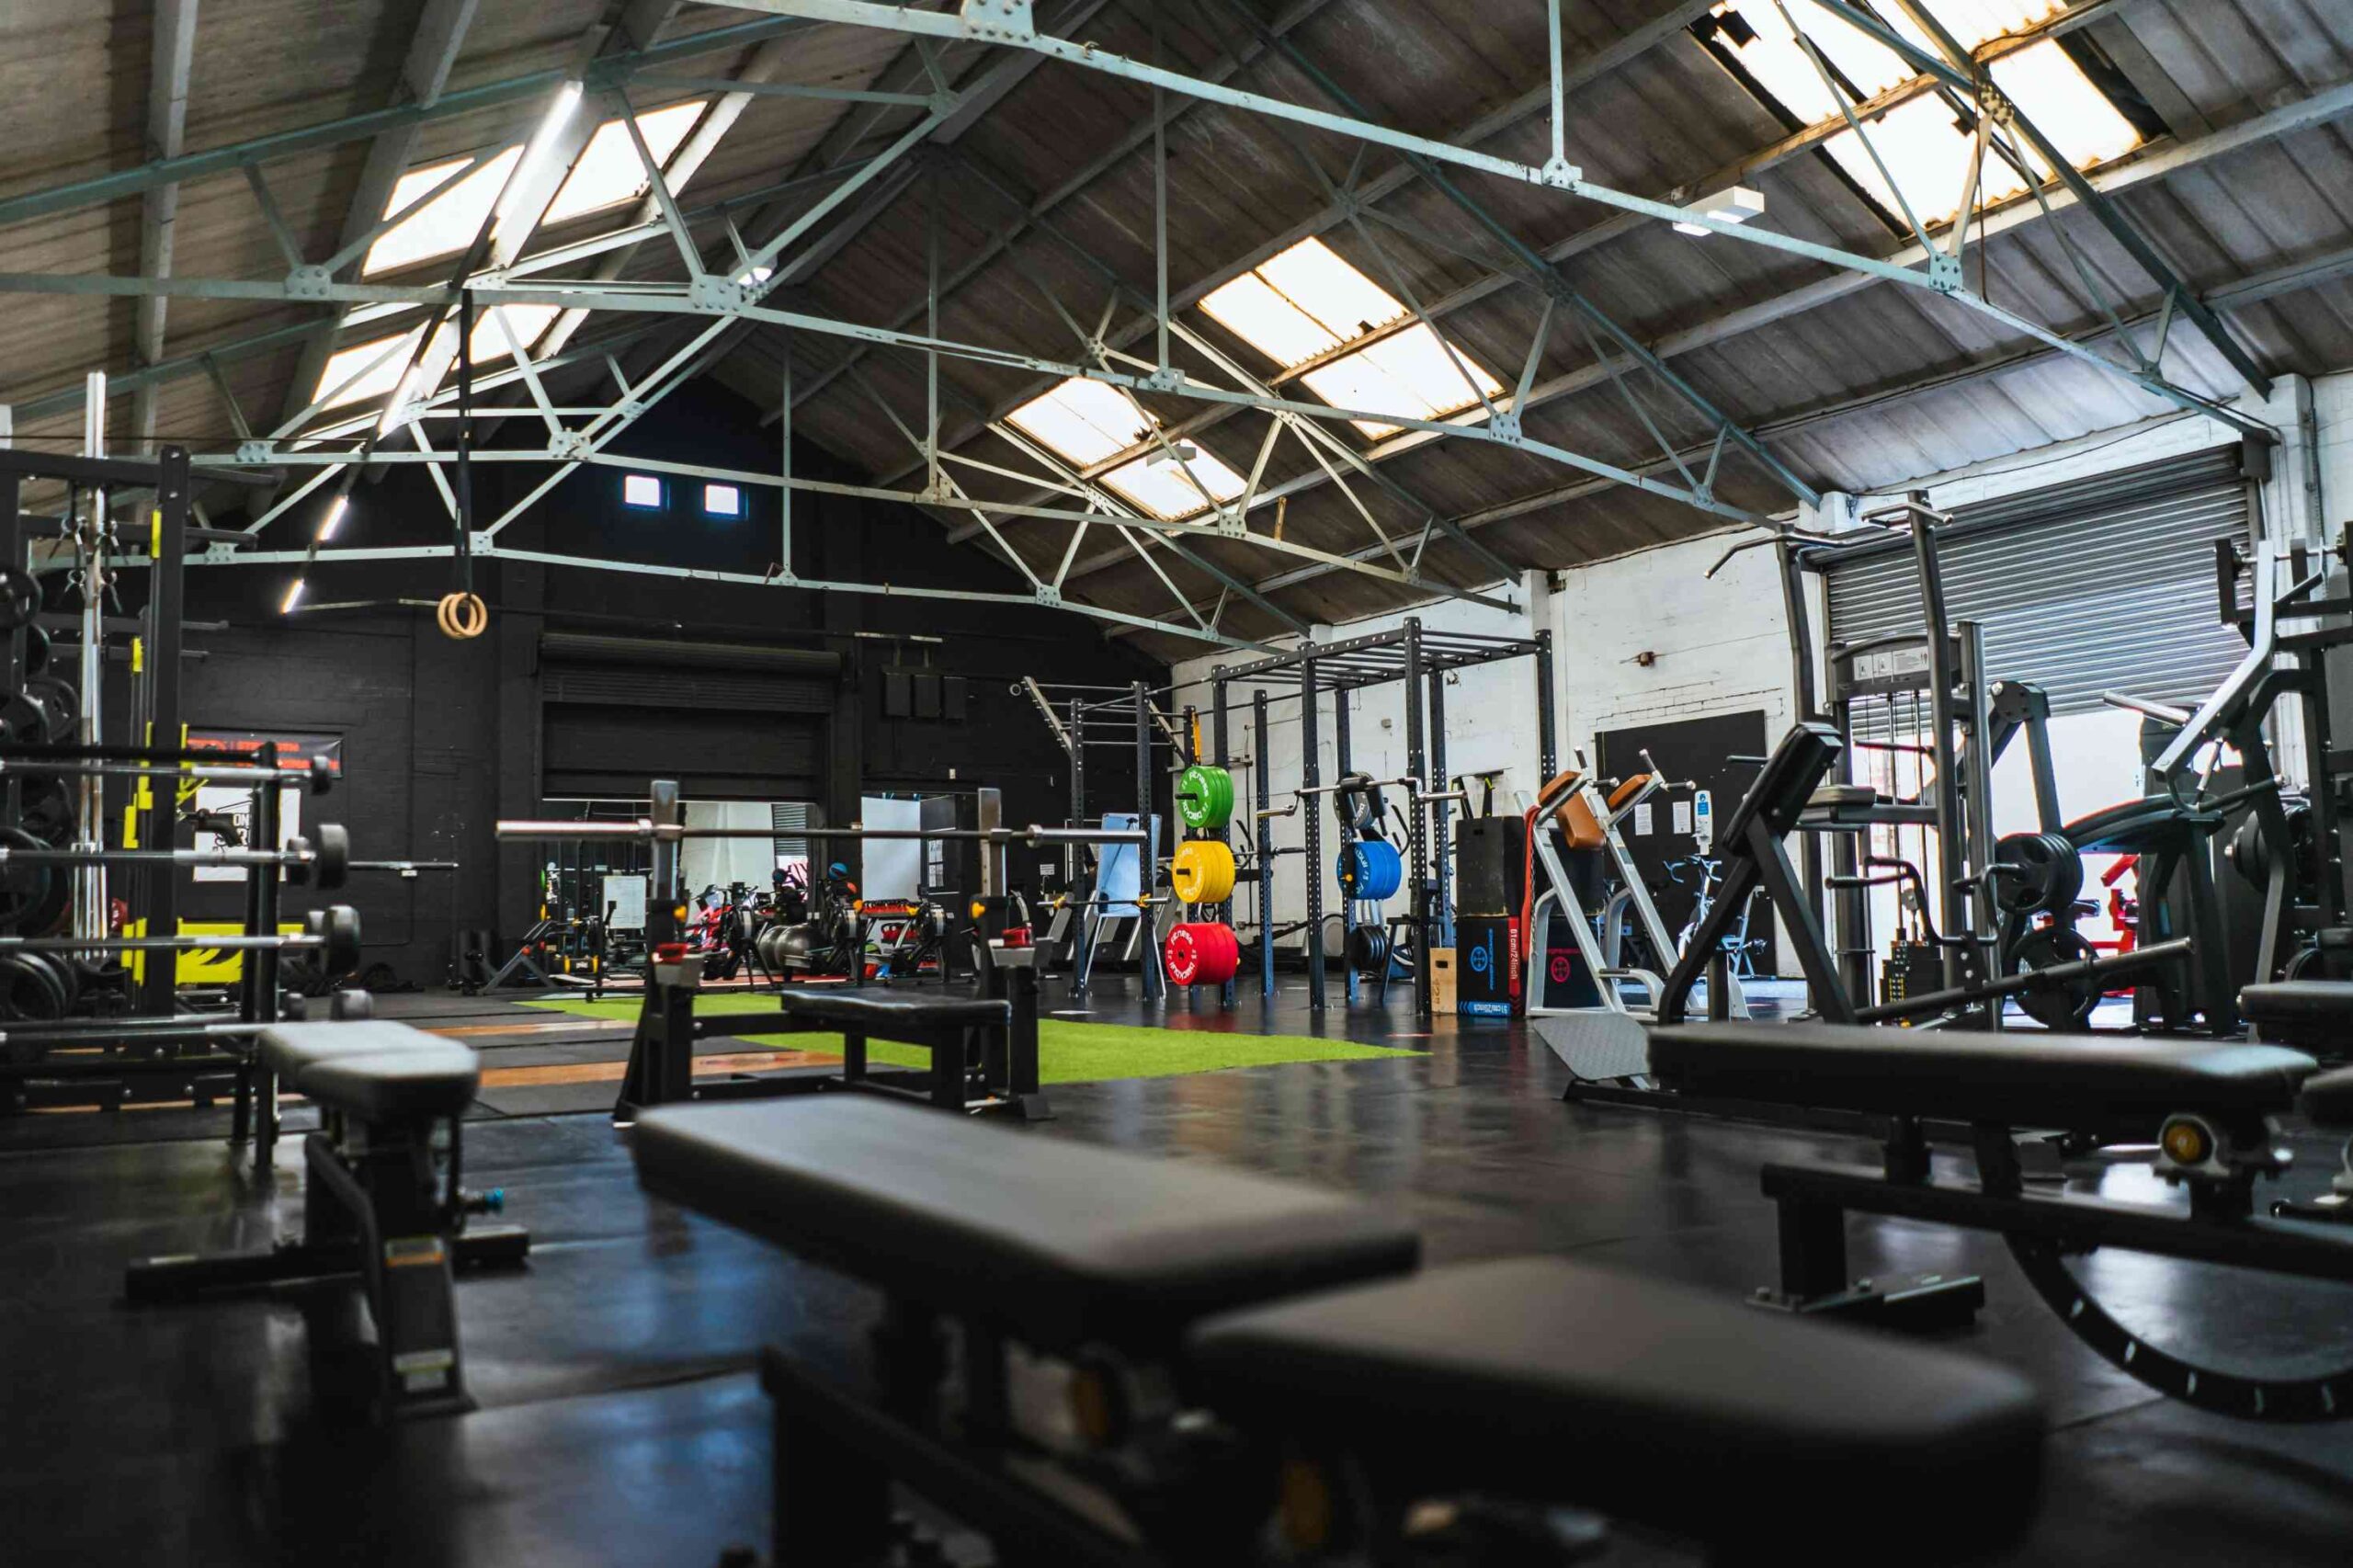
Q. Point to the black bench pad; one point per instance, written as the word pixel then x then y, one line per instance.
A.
pixel 2120 1089
pixel 1567 1384
pixel 1056 1242
pixel 879 1012
pixel 375 1069
pixel 2305 1011
pixel 2328 1098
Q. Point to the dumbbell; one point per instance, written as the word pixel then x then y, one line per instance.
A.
pixel 333 933
pixel 324 861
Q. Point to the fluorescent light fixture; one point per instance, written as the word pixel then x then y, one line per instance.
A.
pixel 1175 452
pixel 642 490
pixel 1304 303
pixel 444 225
pixel 1171 492
pixel 1734 204
pixel 333 519
pixel 756 275
pixel 608 171
pixel 293 598
pixel 722 501
pixel 1084 421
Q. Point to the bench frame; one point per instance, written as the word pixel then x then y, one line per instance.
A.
pixel 2041 1232
pixel 374 1211
pixel 998 1067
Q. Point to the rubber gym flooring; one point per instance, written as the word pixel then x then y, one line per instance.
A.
pixel 619 1422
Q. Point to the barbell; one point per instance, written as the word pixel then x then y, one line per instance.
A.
pixel 324 861
pixel 333 933
pixel 644 830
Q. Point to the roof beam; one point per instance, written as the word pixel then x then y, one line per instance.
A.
pixel 440 35
pixel 2254 289
pixel 2157 161
pixel 174 48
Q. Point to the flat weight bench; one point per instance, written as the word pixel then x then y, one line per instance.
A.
pixel 983 1047
pixel 375 1208
pixel 2210 1111
pixel 1229 1342
pixel 2315 1014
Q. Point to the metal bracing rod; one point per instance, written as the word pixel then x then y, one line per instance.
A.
pixel 232 157
pixel 1955 66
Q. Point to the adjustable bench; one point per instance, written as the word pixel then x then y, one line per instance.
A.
pixel 1161 1290
pixel 374 1208
pixel 2209 1109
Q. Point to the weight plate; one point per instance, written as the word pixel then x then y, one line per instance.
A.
pixel 60 707
pixel 2066 1006
pixel 1369 868
pixel 1201 953
pixel 22 720
pixel 37 650
pixel 29 989
pixel 31 897
pixel 2043 873
pixel 1205 797
pixel 1357 802
pixel 19 596
pixel 45 809
pixel 1369 950
pixel 1202 871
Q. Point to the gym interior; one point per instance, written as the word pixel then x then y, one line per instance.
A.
pixel 1230 781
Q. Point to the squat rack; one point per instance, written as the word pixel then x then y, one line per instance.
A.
pixel 1419 660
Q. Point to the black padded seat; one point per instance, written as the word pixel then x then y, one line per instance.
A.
pixel 1057 1243
pixel 2327 1099
pixel 882 1011
pixel 2120 1090
pixel 2133 828
pixel 375 1069
pixel 1561 1383
pixel 2302 1012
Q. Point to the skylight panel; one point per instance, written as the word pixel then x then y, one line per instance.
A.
pixel 607 170
pixel 447 224
pixel 525 321
pixel 1408 374
pixel 1085 421
pixel 1923 148
pixel 1302 304
pixel 369 382
pixel 1252 309
pixel 1158 485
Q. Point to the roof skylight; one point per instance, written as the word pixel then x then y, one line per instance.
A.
pixel 1171 491
pixel 607 170
pixel 1302 304
pixel 447 224
pixel 1085 421
pixel 375 379
pixel 1408 372
pixel 1923 147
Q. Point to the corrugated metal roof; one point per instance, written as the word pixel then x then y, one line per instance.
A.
pixel 1853 391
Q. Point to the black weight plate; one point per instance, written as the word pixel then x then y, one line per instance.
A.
pixel 57 980
pixel 2066 1006
pixel 22 720
pixel 1368 950
pixel 2046 873
pixel 19 596
pixel 46 809
pixel 31 897
pixel 60 707
pixel 37 650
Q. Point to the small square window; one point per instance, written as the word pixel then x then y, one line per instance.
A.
pixel 722 501
pixel 642 490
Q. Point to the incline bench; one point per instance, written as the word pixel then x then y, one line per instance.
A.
pixel 2209 1109
pixel 1229 1341
pixel 373 1207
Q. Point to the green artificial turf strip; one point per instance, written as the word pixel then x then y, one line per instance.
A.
pixel 1068 1051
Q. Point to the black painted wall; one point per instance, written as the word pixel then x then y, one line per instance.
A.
pixel 441 738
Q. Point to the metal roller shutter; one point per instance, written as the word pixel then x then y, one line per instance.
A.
pixel 2104 585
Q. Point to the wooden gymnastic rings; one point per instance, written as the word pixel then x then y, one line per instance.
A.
pixel 462 617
